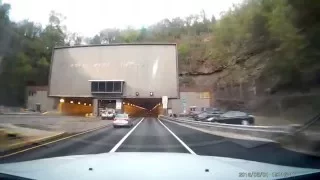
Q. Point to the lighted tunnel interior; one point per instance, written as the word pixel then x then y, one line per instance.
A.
pixel 142 107
pixel 75 106
pixel 135 107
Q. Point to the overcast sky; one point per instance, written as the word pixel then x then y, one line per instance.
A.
pixel 89 17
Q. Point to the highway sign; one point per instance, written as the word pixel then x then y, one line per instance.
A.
pixel 165 102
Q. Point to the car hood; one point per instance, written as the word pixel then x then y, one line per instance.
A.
pixel 147 166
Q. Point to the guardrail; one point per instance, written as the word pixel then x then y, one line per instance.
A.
pixel 287 136
pixel 268 132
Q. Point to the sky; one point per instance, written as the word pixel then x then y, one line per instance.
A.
pixel 89 17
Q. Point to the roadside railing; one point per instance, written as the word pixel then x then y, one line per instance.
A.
pixel 268 132
pixel 290 137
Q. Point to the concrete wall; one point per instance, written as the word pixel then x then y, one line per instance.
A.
pixel 145 68
pixel 191 99
pixel 41 97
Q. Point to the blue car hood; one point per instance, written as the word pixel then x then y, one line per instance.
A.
pixel 149 166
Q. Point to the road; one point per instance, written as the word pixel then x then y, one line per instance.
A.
pixel 152 135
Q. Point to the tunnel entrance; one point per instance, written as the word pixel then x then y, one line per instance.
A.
pixel 75 106
pixel 105 104
pixel 146 107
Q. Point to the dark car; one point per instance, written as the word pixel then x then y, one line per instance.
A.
pixel 212 112
pixel 233 117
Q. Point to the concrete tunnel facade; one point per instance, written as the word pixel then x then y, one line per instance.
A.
pixel 130 78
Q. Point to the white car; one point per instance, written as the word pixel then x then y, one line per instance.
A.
pixel 122 120
pixel 107 114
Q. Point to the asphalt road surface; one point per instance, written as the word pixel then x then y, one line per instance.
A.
pixel 152 135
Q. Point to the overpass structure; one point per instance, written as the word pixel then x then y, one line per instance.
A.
pixel 131 78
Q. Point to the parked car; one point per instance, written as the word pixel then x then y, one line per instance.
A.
pixel 233 117
pixel 173 115
pixel 193 111
pixel 212 112
pixel 204 109
pixel 122 120
pixel 108 114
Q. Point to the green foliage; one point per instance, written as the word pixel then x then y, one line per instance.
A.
pixel 288 28
pixel 26 50
pixel 279 25
pixel 129 35
pixel 183 50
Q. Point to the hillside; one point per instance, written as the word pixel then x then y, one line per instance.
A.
pixel 257 48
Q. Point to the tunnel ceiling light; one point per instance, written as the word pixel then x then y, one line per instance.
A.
pixel 151 93
pixel 62 100
pixel 71 102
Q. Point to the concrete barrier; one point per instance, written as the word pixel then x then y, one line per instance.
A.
pixel 287 136
pixel 267 132
pixel 20 113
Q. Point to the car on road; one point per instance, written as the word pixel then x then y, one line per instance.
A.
pixel 108 114
pixel 233 117
pixel 212 112
pixel 122 120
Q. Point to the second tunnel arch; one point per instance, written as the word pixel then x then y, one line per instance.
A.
pixel 142 106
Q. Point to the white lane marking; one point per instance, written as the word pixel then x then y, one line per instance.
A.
pixel 125 137
pixel 183 144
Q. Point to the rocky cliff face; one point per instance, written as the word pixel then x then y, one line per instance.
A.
pixel 244 84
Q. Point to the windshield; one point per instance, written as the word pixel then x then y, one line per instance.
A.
pixel 216 81
pixel 234 113
pixel 121 116
pixel 211 109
